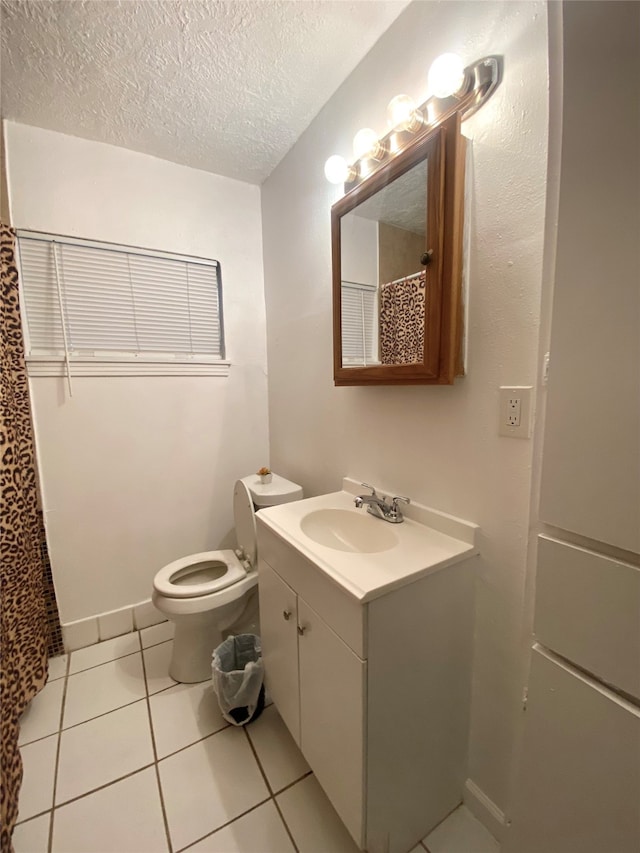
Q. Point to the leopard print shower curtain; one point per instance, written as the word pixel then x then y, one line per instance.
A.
pixel 25 579
pixel 402 313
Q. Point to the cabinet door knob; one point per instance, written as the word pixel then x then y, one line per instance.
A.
pixel 301 629
pixel 286 614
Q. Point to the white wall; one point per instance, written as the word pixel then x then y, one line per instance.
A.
pixel 359 244
pixel 439 445
pixel 138 471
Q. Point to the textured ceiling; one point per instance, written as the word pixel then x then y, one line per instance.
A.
pixel 222 86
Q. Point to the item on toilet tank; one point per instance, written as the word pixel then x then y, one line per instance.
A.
pixel 212 594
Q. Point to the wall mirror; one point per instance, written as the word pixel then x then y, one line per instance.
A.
pixel 396 249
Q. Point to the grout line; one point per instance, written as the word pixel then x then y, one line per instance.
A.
pixel 291 784
pixel 270 789
pixel 223 825
pixel 103 663
pixel 170 687
pixel 193 743
pixel 433 829
pixel 155 758
pixel 105 785
pixel 285 824
pixel 32 817
pixel 103 714
pixel 259 763
pixel 153 645
pixel 56 765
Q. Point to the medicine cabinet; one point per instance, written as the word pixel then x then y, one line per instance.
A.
pixel 397 266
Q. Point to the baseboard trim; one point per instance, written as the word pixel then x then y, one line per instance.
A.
pixel 487 812
pixel 113 623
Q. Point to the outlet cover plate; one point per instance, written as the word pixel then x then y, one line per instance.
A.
pixel 509 394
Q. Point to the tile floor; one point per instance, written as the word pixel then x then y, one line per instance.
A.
pixel 118 758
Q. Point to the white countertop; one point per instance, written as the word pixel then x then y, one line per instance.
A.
pixel 421 548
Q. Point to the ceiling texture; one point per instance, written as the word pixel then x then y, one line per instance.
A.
pixel 221 85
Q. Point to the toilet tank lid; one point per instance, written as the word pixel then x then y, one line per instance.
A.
pixel 278 491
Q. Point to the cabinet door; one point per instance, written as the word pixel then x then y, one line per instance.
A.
pixel 332 707
pixel 278 626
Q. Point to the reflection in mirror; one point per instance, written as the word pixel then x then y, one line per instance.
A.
pixel 383 280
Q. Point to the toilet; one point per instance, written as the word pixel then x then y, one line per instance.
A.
pixel 215 593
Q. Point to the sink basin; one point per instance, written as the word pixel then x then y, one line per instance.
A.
pixel 348 530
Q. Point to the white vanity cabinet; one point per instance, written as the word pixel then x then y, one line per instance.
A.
pixel 375 693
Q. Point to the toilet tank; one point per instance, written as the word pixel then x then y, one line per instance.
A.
pixel 278 491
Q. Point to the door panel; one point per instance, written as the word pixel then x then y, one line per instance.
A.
pixel 579 784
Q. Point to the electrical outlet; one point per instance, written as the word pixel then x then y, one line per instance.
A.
pixel 514 408
pixel 515 411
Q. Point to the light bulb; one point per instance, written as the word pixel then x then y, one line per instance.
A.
pixel 446 75
pixel 337 170
pixel 402 113
pixel 365 143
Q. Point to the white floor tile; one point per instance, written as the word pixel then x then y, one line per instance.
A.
pixel 32 836
pixel 39 762
pixel 156 664
pixel 281 759
pixel 58 667
pixel 157 634
pixel 103 750
pixel 103 688
pixel 104 652
pixel 125 817
pixel 418 849
pixel 461 832
pixel 42 715
pixel 209 784
pixel 183 715
pixel 260 831
pixel 312 821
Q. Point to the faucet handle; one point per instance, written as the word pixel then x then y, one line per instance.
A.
pixel 399 498
pixel 373 491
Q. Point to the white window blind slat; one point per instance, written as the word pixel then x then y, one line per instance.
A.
pixel 359 315
pixel 117 300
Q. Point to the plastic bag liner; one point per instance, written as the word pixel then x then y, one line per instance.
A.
pixel 238 672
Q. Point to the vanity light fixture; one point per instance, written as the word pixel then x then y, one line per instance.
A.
pixel 338 171
pixel 453 88
pixel 367 145
pixel 403 115
pixel 447 76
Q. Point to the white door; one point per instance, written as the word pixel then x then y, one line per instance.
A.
pixel 579 785
pixel 332 706
pixel 278 625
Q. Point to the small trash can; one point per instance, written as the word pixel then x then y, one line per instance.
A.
pixel 238 675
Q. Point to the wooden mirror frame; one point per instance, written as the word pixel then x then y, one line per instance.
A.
pixel 444 148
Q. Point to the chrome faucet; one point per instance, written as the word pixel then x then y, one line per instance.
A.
pixel 379 507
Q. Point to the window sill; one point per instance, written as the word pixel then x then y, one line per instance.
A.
pixel 126 366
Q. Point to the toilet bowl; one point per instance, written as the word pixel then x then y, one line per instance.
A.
pixel 212 594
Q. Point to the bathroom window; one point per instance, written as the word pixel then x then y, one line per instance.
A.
pixel 101 309
pixel 359 307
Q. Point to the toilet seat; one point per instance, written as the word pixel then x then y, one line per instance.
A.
pixel 185 578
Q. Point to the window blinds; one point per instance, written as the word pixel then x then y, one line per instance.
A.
pixel 117 300
pixel 359 317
